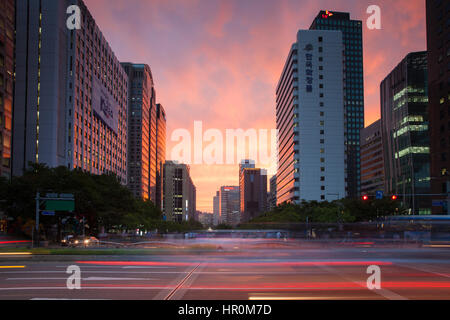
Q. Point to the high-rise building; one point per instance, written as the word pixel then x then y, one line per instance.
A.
pixel 141 102
pixel 310 120
pixel 160 151
pixel 216 209
pixel 7 18
pixel 353 78
pixel 71 93
pixel 404 130
pixel 372 163
pixel 272 197
pixel 438 34
pixel 179 196
pixel 253 193
pixel 230 205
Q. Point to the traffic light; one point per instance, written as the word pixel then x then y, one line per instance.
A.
pixel 394 197
pixel 365 197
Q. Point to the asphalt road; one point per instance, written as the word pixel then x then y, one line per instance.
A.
pixel 257 274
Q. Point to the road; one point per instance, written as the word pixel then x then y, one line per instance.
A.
pixel 256 274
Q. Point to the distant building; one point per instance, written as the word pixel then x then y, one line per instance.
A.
pixel 353 82
pixel 179 196
pixel 438 33
pixel 216 209
pixel 310 120
pixel 372 163
pixel 405 133
pixel 272 196
pixel 229 205
pixel 161 123
pixel 141 114
pixel 7 30
pixel 71 93
pixel 206 219
pixel 253 190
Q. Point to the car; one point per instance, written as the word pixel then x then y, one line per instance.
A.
pixel 80 241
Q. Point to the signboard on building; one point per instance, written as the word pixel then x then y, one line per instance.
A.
pixel 104 105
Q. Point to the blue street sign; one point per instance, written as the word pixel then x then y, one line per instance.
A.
pixel 379 195
pixel 48 213
pixel 438 203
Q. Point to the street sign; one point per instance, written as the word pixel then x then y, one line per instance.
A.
pixel 438 203
pixel 60 205
pixel 48 213
pixel 379 195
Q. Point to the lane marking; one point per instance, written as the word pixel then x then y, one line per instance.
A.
pixel 171 294
pixel 63 299
pixel 15 253
pixel 428 271
pixel 84 279
pixel 382 292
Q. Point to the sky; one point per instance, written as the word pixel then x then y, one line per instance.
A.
pixel 219 61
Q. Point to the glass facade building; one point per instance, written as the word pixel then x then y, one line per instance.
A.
pixel 353 89
pixel 141 101
pixel 405 133
pixel 160 152
pixel 7 18
pixel 438 43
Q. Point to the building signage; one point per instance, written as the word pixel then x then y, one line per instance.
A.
pixel 104 106
pixel 309 68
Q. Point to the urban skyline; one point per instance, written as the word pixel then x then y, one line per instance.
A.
pixel 214 52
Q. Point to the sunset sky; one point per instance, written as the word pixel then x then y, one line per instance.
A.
pixel 219 61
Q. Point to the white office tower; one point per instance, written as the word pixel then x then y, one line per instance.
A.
pixel 310 120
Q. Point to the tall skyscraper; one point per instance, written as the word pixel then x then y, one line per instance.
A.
pixel 229 205
pixel 372 162
pixel 310 120
pixel 160 151
pixel 253 193
pixel 438 34
pixel 141 101
pixel 7 18
pixel 353 89
pixel 179 196
pixel 406 141
pixel 71 93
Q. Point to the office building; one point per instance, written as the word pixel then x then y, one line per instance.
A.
pixel 310 120
pixel 216 209
pixel 71 93
pixel 438 34
pixel 141 108
pixel 253 193
pixel 179 195
pixel 160 152
pixel 352 41
pixel 404 125
pixel 206 219
pixel 372 162
pixel 7 20
pixel 272 196
pixel 230 205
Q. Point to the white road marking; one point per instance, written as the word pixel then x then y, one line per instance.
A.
pixel 84 279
